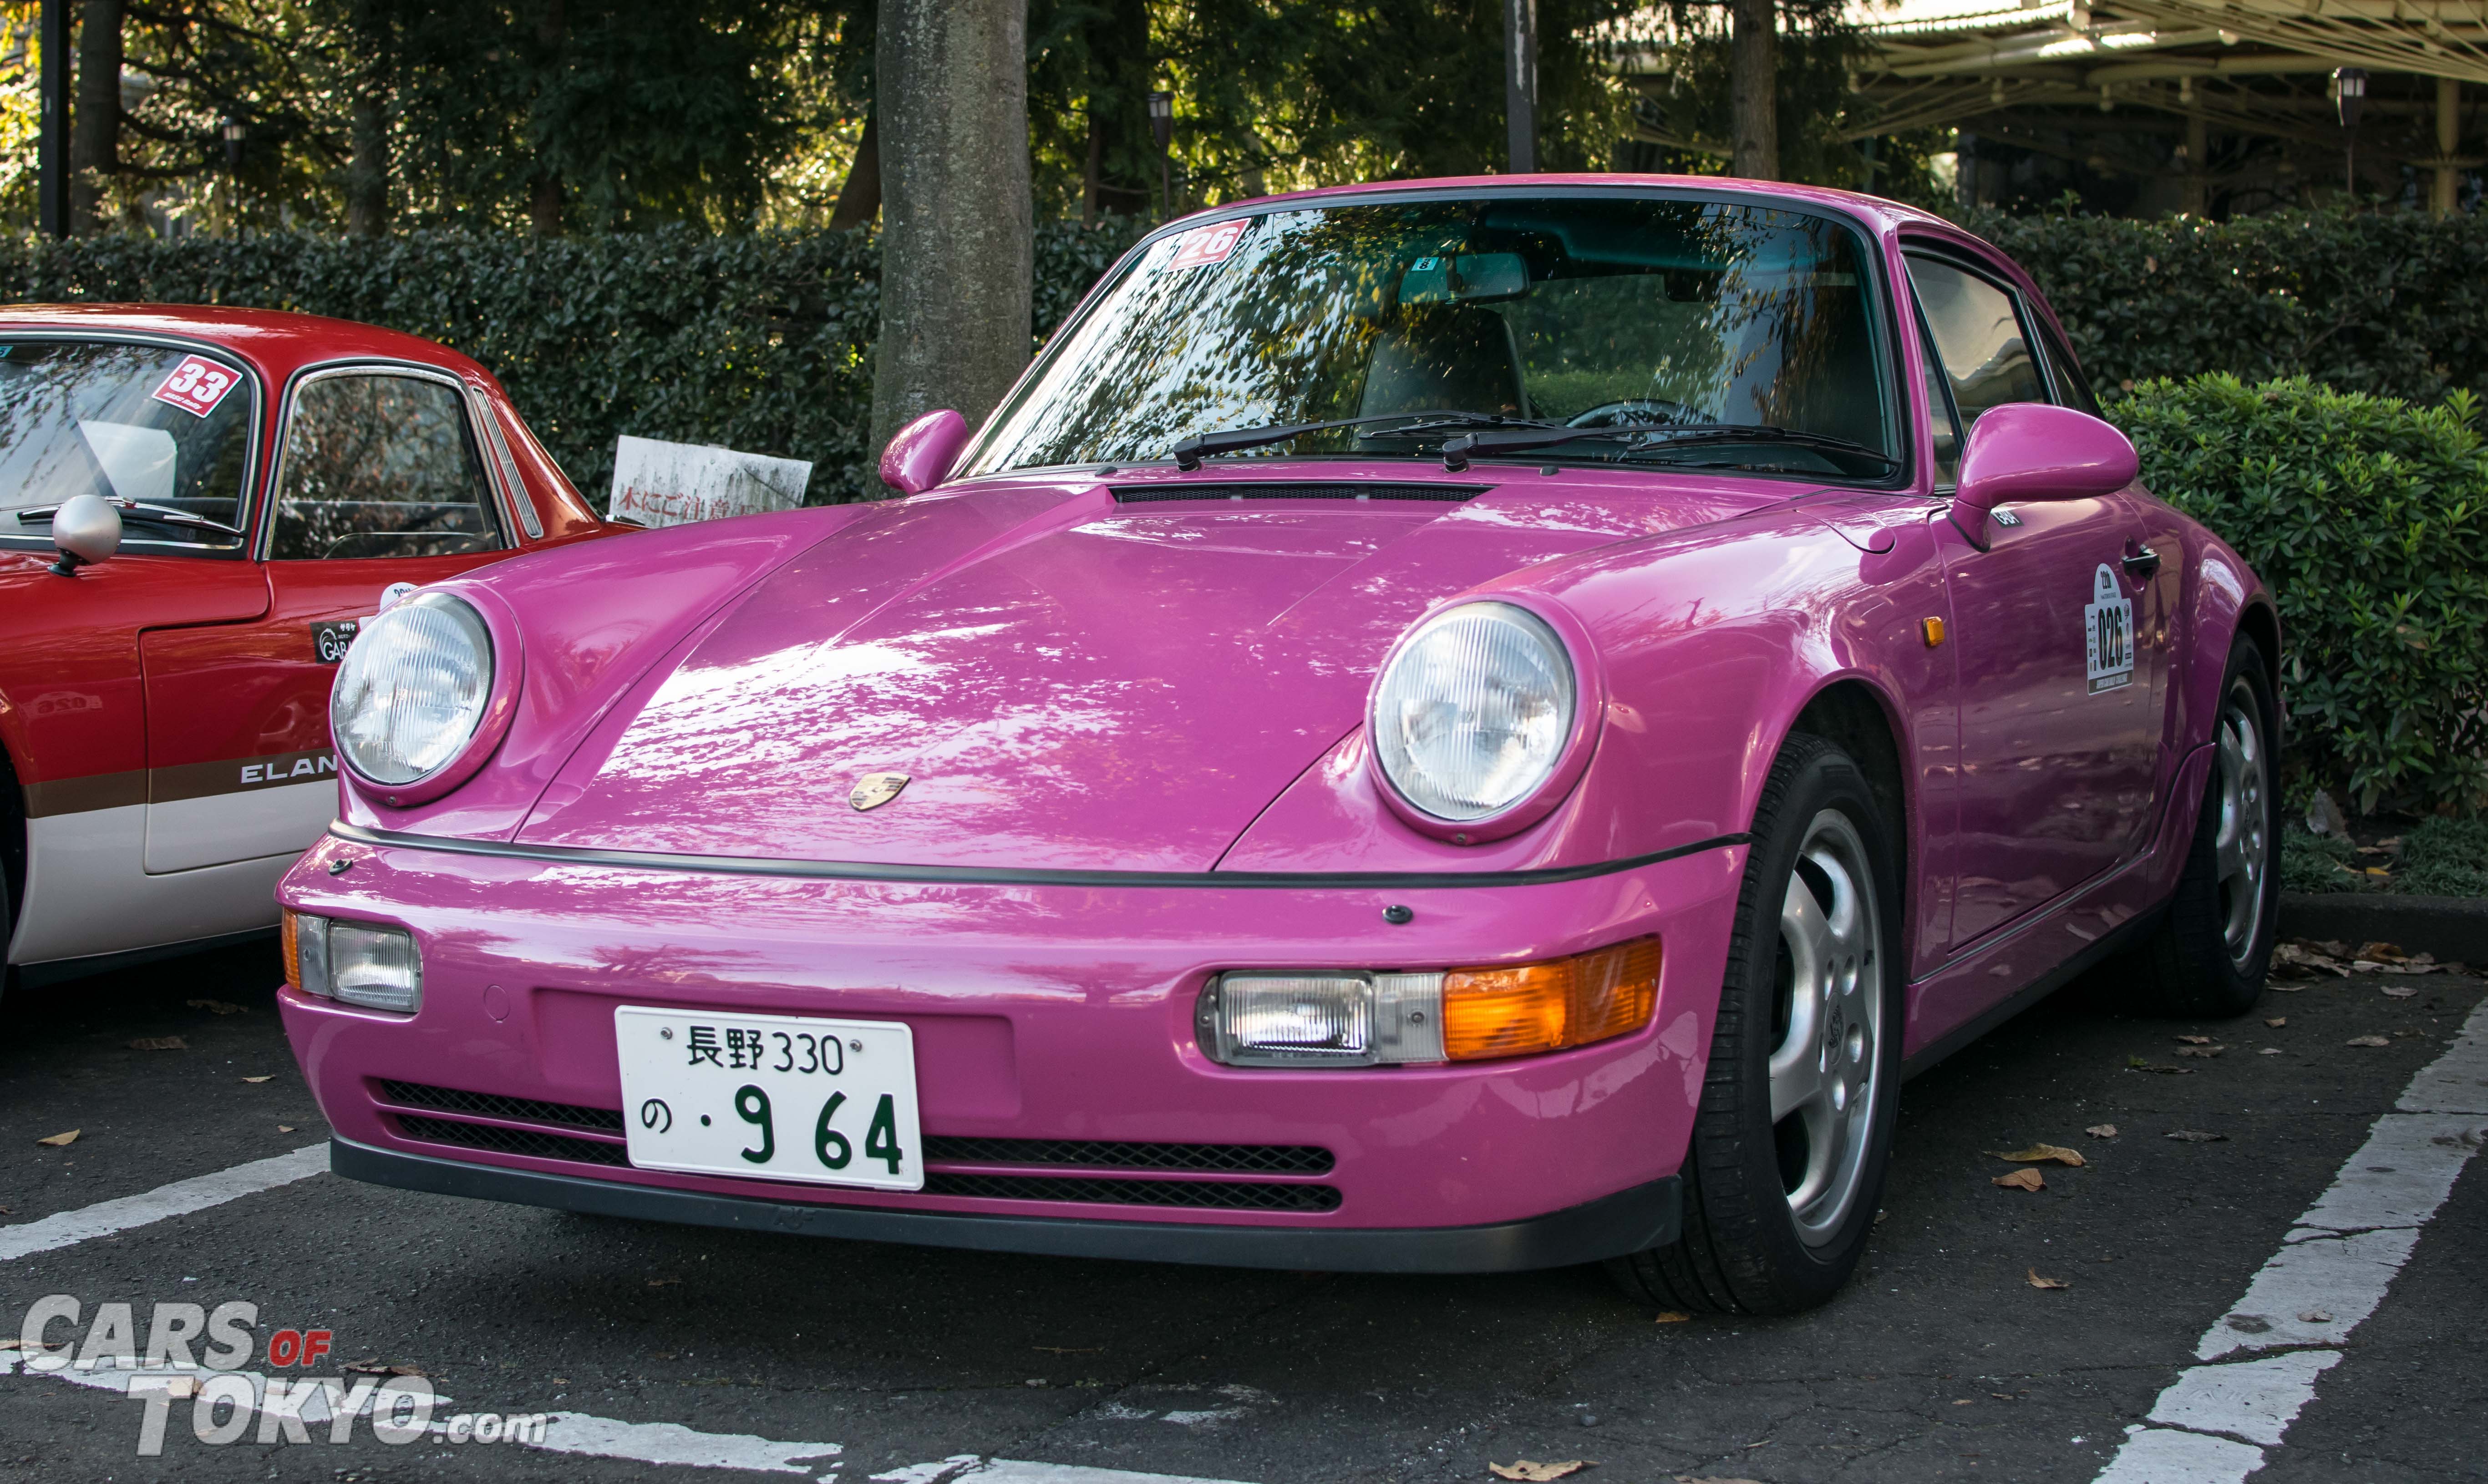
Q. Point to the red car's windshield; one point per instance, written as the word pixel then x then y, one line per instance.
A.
pixel 163 432
pixel 1623 316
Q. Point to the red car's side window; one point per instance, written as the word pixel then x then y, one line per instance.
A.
pixel 382 465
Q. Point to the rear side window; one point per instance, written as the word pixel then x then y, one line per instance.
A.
pixel 381 465
pixel 2073 388
pixel 162 433
pixel 1978 334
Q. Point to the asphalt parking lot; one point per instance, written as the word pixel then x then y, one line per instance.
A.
pixel 802 1357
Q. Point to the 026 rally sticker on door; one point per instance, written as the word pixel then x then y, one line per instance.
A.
pixel 196 385
pixel 2109 621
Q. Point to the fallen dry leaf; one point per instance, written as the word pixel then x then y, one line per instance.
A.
pixel 2023 1179
pixel 375 1368
pixel 2102 1130
pixel 2277 1022
pixel 1967 1401
pixel 217 1006
pixel 1672 1316
pixel 2368 1041
pixel 2201 1050
pixel 285 1128
pixel 2399 992
pixel 2137 1064
pixel 258 1079
pixel 2315 1317
pixel 2195 1040
pixel 2195 1137
pixel 2270 1050
pixel 62 1141
pixel 2038 1153
pixel 1529 1472
pixel 2382 952
pixel 160 1043
pixel 2037 1282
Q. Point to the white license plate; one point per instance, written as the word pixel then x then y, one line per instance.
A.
pixel 780 1097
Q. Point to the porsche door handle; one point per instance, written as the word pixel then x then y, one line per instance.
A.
pixel 2142 565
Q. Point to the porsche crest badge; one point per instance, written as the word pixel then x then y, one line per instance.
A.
pixel 873 789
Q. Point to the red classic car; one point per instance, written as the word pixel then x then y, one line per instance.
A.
pixel 164 695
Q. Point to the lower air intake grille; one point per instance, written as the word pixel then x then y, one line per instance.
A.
pixel 1219 1195
pixel 449 1099
pixel 1243 1159
pixel 1278 489
pixel 525 1141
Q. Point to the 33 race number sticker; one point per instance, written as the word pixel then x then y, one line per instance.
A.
pixel 2110 620
pixel 1204 246
pixel 197 385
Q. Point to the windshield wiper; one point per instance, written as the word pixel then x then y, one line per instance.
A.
pixel 159 514
pixel 1189 452
pixel 1653 435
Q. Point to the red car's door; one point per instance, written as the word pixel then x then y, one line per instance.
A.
pixel 2059 663
pixel 381 478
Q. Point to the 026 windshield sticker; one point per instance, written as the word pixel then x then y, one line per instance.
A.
pixel 196 385
pixel 1204 246
pixel 2108 622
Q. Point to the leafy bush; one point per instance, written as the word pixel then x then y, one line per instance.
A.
pixel 2320 863
pixel 2389 302
pixel 2369 520
pixel 2444 857
pixel 761 342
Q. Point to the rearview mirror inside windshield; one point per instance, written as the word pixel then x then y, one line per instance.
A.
pixel 1468 277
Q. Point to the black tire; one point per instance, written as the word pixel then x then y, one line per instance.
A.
pixel 2198 962
pixel 1740 1250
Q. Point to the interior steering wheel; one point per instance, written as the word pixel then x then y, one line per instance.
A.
pixel 1657 411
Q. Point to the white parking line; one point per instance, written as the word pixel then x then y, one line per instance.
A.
pixel 180 1198
pixel 647 1443
pixel 2331 1273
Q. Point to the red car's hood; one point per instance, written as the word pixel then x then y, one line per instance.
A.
pixel 1067 682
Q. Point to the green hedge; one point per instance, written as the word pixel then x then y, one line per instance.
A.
pixel 765 342
pixel 2369 518
pixel 756 342
pixel 2389 302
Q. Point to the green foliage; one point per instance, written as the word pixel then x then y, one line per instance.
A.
pixel 2389 302
pixel 2444 857
pixel 2369 520
pixel 2320 863
pixel 761 342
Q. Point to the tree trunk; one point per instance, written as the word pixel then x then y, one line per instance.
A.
pixel 956 243
pixel 367 172
pixel 860 195
pixel 544 199
pixel 1753 87
pixel 95 142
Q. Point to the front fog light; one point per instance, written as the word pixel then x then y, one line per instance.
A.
pixel 1319 1020
pixel 1262 1019
pixel 353 963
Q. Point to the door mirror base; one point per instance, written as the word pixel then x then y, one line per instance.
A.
pixel 921 451
pixel 87 531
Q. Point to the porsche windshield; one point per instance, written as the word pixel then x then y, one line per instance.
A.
pixel 1646 324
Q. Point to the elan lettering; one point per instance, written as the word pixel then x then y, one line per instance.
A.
pixel 321 767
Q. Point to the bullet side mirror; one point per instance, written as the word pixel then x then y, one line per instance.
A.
pixel 87 531
pixel 2031 451
pixel 922 450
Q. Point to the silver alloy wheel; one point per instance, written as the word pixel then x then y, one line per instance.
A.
pixel 2242 851
pixel 1825 1072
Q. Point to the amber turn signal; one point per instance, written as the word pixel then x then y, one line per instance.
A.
pixel 1565 1002
pixel 291 931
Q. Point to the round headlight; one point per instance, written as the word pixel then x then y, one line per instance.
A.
pixel 413 689
pixel 1472 712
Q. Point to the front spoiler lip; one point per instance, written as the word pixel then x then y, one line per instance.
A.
pixel 1008 875
pixel 1629 1220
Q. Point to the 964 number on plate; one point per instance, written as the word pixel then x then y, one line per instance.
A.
pixel 774 1096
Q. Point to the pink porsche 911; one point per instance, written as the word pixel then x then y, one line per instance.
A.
pixel 1453 726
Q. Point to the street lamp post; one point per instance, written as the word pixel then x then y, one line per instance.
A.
pixel 233 132
pixel 2350 96
pixel 52 138
pixel 1162 129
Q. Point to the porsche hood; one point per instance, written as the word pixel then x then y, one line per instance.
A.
pixel 1039 676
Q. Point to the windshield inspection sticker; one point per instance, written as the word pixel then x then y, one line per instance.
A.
pixel 2110 622
pixel 196 385
pixel 1205 244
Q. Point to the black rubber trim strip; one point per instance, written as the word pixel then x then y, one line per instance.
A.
pixel 1630 1221
pixel 1007 876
